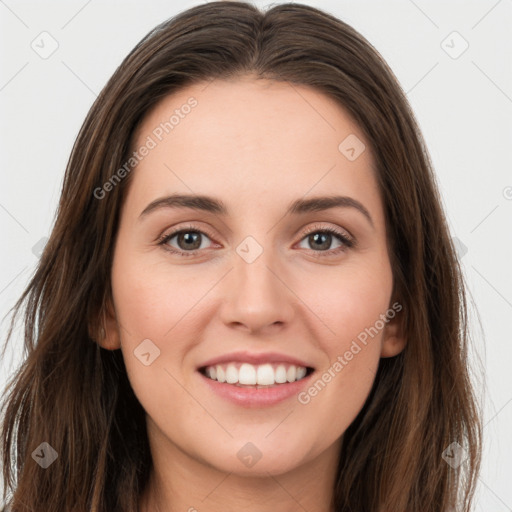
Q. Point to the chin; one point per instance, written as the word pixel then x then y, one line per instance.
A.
pixel 256 459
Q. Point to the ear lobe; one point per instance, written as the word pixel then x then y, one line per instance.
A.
pixel 106 332
pixel 393 338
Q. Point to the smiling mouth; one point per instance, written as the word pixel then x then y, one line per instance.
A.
pixel 255 376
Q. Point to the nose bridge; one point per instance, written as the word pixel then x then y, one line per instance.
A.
pixel 257 296
pixel 252 263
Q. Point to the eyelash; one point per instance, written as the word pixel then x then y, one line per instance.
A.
pixel 348 242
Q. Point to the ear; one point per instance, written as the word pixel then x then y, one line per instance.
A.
pixel 106 331
pixel 393 338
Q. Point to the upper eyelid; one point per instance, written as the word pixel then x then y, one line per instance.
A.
pixel 317 227
pixel 178 230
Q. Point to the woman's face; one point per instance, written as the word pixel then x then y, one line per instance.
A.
pixel 252 288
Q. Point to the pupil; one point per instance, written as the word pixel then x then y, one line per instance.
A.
pixel 325 236
pixel 191 238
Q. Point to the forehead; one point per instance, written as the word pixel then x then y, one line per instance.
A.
pixel 252 140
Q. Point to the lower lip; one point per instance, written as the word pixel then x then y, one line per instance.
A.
pixel 254 397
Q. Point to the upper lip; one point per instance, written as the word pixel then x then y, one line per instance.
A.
pixel 254 358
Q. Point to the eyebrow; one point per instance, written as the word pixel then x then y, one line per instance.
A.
pixel 213 205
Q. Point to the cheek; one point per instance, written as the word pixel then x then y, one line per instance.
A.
pixel 149 300
pixel 349 301
pixel 356 316
pixel 350 306
pixel 147 311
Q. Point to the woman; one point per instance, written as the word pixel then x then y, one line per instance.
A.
pixel 250 299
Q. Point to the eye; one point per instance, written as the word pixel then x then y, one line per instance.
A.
pixel 189 241
pixel 320 239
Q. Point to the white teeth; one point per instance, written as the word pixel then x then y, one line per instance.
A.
pixel 301 372
pixel 247 374
pixel 231 374
pixel 221 375
pixel 266 375
pixel 250 375
pixel 280 375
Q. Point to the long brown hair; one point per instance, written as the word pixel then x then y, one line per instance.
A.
pixel 76 396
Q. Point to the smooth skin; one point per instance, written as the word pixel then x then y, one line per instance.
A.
pixel 256 145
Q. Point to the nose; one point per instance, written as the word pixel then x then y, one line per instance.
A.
pixel 257 297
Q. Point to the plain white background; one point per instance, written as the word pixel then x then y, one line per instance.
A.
pixel 462 98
